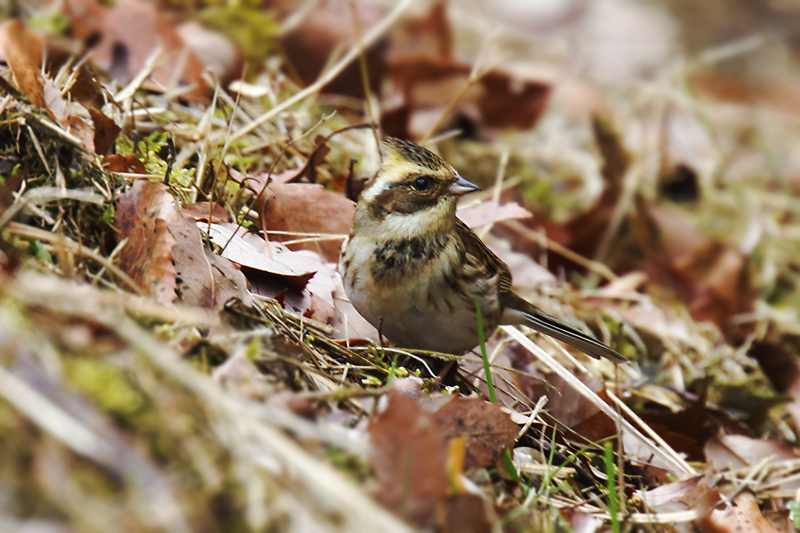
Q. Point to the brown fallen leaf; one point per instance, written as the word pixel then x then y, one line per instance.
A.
pixel 488 429
pixel 733 452
pixel 320 290
pixel 143 216
pixel 54 102
pixel 127 34
pixel 571 409
pixel 327 27
pixel 205 211
pixel 105 131
pixel 312 297
pixel 743 516
pixel 707 274
pixel 22 48
pixel 204 279
pixel 426 78
pixel 80 128
pixel 469 513
pixel 123 163
pixel 686 431
pixel 409 453
pixel 286 206
pixel 218 53
pixel 683 495
pixel 306 208
pixel 165 253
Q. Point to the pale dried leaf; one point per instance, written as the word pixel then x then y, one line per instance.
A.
pixel 247 249
pixel 490 212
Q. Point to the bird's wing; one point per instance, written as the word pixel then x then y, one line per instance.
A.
pixel 482 255
pixel 534 317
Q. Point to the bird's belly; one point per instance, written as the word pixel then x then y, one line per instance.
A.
pixel 421 309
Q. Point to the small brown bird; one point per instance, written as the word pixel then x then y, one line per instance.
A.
pixel 414 270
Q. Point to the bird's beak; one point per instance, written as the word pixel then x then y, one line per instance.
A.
pixel 462 186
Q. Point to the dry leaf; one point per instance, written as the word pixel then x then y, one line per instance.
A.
pixel 80 128
pixel 204 279
pixel 105 131
pixel 306 208
pixel 129 32
pixel 709 275
pixel 327 27
pixel 129 164
pixel 733 452
pixel 312 297
pixel 214 50
pixel 743 516
pixel 247 249
pixel 469 513
pixel 54 102
pixel 683 495
pixel 203 211
pixel 22 48
pixel 409 453
pixel 143 214
pixel 488 429
pixel 490 212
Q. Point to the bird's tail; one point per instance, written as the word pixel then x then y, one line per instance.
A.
pixel 544 323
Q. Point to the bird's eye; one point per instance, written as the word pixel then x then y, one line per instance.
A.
pixel 421 184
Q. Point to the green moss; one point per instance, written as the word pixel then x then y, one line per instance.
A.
pixel 105 384
pixel 250 28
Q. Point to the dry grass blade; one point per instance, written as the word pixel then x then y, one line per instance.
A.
pixel 54 420
pixel 652 434
pixel 40 289
pixel 678 468
pixel 262 443
pixel 29 232
pixel 43 195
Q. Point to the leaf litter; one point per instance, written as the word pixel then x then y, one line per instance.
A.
pixel 638 199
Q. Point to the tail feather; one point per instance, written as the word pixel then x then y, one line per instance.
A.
pixel 544 323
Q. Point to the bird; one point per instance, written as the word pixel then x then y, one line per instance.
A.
pixel 414 271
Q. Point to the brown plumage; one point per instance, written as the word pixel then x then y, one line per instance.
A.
pixel 412 268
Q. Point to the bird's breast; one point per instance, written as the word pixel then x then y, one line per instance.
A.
pixel 414 291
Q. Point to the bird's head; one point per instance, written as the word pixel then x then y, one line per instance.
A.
pixel 414 187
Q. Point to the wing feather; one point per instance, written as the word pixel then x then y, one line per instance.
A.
pixel 481 253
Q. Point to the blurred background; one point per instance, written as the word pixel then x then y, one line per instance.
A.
pixel 648 149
